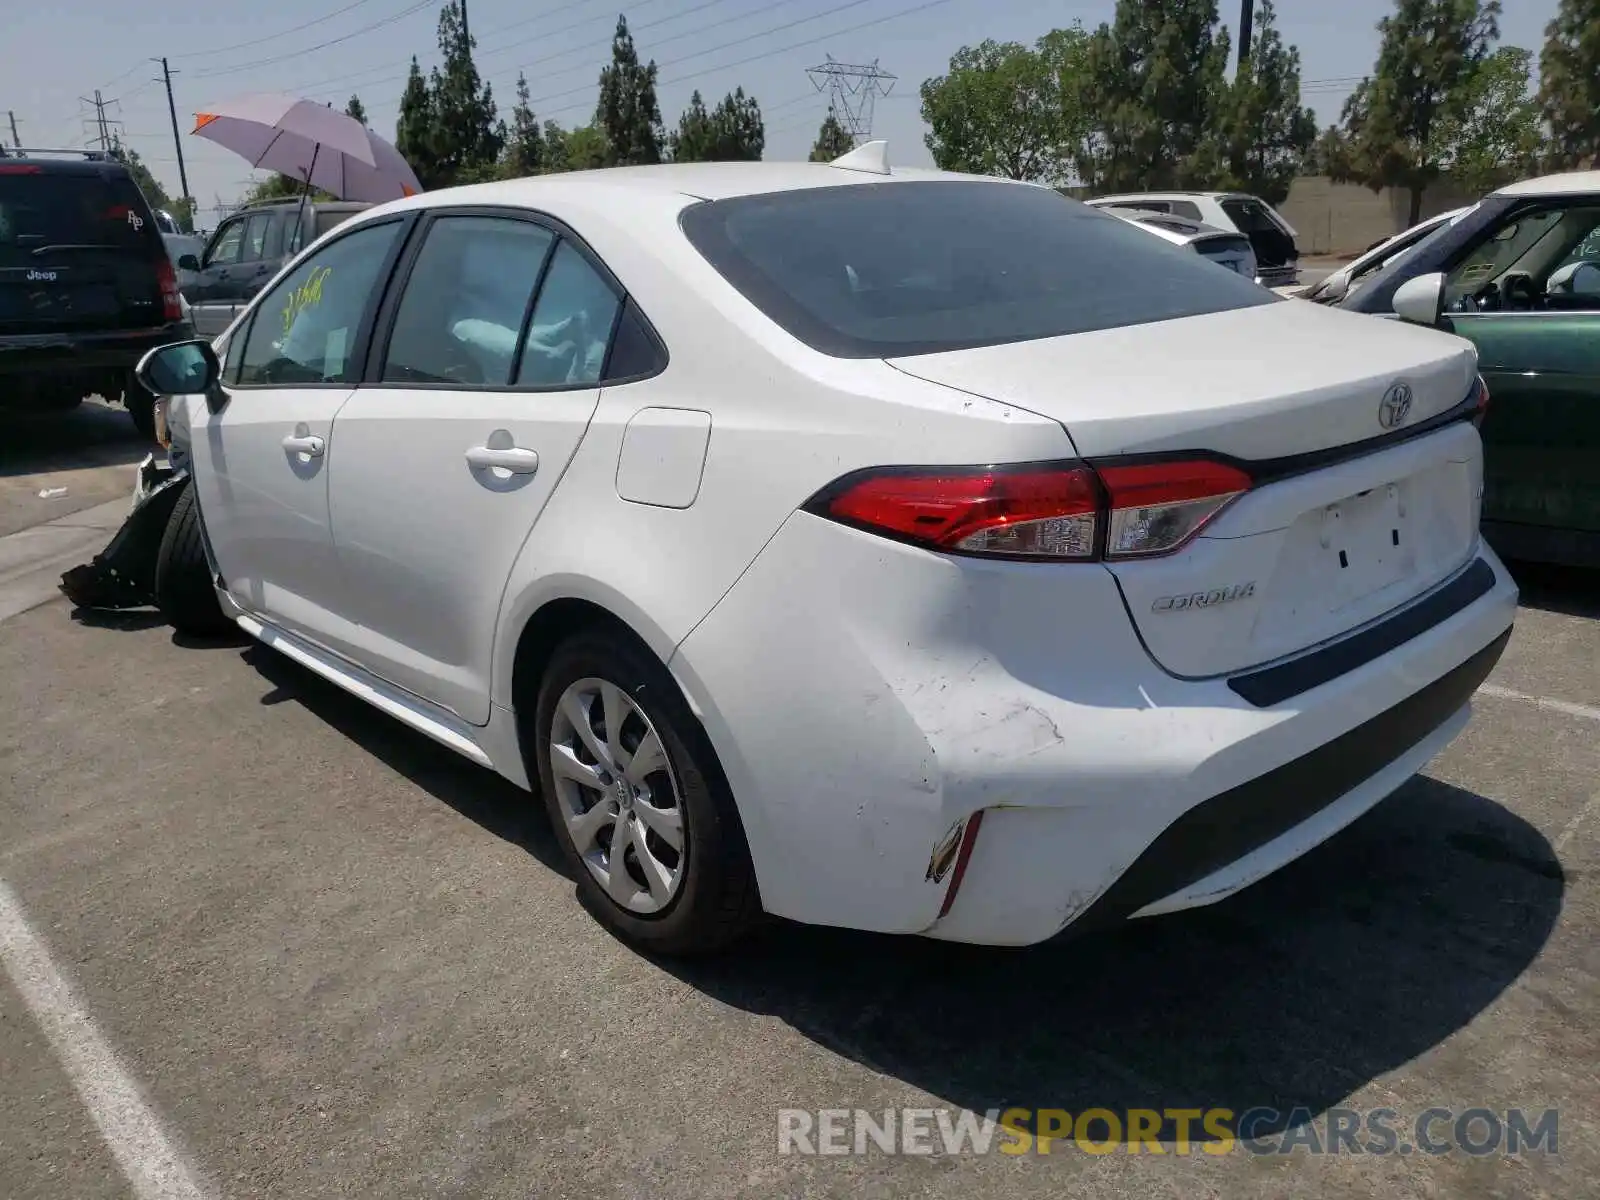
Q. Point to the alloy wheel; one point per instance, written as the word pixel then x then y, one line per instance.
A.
pixel 617 794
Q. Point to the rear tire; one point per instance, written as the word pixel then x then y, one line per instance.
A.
pixel 184 591
pixel 711 898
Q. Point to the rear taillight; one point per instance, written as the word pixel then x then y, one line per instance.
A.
pixel 1067 512
pixel 167 278
pixel 1481 408
pixel 1018 512
pixel 1157 507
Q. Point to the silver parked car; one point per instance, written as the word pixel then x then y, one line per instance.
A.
pixel 1229 250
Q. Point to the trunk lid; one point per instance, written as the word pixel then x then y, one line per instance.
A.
pixel 78 250
pixel 1321 546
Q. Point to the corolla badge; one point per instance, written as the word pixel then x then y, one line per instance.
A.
pixel 1194 600
pixel 1395 406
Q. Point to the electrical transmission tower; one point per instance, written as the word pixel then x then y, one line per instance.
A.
pixel 853 90
pixel 104 127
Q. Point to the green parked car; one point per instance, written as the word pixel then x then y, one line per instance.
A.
pixel 1519 275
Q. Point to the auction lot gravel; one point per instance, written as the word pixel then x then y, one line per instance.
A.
pixel 261 941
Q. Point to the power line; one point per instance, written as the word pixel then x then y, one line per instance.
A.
pixel 785 49
pixel 305 50
pixel 272 37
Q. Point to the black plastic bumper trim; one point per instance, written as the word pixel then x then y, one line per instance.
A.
pixel 1274 685
pixel 1230 825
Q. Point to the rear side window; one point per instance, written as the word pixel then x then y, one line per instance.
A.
pixel 1186 208
pixel 465 302
pixel 1249 216
pixel 39 208
pixel 882 270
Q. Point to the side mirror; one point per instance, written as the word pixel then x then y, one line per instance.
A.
pixel 188 262
pixel 1421 300
pixel 180 369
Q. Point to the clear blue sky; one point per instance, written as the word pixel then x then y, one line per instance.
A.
pixel 56 52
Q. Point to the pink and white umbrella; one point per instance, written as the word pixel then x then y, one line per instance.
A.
pixel 312 143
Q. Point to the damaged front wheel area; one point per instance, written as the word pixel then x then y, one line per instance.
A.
pixel 184 591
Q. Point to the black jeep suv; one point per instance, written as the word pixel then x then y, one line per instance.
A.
pixel 86 286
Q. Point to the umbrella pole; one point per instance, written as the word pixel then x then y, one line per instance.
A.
pixel 300 212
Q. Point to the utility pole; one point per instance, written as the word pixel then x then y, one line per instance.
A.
pixel 1247 19
pixel 853 90
pixel 16 138
pixel 177 141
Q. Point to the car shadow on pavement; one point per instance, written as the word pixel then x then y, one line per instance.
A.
pixel 1569 591
pixel 480 795
pixel 1291 995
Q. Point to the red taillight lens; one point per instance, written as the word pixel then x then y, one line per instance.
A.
pixel 1482 406
pixel 1028 512
pixel 167 278
pixel 1158 507
pixel 1039 512
pixel 20 169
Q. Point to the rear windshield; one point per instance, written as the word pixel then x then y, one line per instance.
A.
pixel 1232 243
pixel 39 209
pixel 883 270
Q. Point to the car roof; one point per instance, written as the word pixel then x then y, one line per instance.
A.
pixel 696 181
pixel 1164 196
pixel 65 166
pixel 1569 183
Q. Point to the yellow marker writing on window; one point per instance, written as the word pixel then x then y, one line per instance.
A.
pixel 307 295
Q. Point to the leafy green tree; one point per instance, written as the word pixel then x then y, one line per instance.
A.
pixel 694 140
pixel 738 132
pixel 465 134
pixel 354 109
pixel 1569 85
pixel 415 132
pixel 628 111
pixel 1155 80
pixel 524 140
pixel 1266 134
pixel 1492 136
pixel 1005 109
pixel 1398 120
pixel 833 139
pixel 588 148
pixel 556 158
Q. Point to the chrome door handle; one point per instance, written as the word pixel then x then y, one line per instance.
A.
pixel 514 459
pixel 304 445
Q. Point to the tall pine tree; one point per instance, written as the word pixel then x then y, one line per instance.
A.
pixel 1266 134
pixel 466 140
pixel 833 139
pixel 628 112
pixel 1398 121
pixel 524 140
pixel 739 134
pixel 1569 85
pixel 414 134
pixel 694 139
pixel 354 109
pixel 1155 80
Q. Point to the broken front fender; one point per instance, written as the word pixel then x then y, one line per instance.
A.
pixel 123 575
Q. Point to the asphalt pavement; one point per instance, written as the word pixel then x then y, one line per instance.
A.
pixel 260 941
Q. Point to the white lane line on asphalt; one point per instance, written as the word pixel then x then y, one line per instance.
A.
pixel 1585 711
pixel 1584 814
pixel 131 1129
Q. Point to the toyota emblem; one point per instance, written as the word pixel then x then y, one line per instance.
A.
pixel 1395 405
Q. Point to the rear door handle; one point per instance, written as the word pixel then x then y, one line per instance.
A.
pixel 515 459
pixel 304 445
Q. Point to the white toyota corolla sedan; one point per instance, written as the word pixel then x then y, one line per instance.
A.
pixel 878 548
